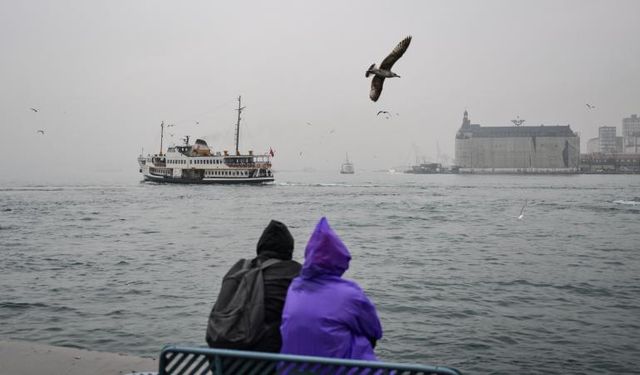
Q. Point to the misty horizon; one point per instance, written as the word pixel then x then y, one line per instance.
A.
pixel 103 76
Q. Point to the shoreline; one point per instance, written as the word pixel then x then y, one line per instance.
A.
pixel 26 358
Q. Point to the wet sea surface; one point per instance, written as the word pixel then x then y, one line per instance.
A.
pixel 457 279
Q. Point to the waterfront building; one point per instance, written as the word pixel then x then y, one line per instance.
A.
pixel 609 163
pixel 607 136
pixel 631 134
pixel 593 145
pixel 619 145
pixel 516 149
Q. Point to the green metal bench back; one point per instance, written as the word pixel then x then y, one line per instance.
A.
pixel 181 360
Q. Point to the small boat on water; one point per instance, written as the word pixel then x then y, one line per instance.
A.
pixel 347 167
pixel 198 164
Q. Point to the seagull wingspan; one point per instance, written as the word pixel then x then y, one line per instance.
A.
pixel 376 87
pixel 397 53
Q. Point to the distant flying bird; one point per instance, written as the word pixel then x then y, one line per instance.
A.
pixel 379 112
pixel 197 123
pixel 40 131
pixel 385 68
pixel 591 106
pixel 34 109
pixel 521 216
pixel 308 123
pixel 332 131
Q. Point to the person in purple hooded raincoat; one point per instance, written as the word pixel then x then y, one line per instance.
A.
pixel 324 314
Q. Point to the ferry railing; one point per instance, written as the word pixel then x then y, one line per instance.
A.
pixel 185 360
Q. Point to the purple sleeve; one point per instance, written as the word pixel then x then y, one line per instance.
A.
pixel 365 318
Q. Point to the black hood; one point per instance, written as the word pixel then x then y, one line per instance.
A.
pixel 276 242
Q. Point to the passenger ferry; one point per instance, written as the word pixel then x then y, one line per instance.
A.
pixel 198 164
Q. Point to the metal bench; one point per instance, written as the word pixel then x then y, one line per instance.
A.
pixel 182 360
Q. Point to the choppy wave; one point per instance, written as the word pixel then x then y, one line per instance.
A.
pixel 131 268
pixel 633 202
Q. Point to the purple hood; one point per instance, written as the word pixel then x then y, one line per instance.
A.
pixel 325 253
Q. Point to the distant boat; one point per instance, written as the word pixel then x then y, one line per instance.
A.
pixel 347 167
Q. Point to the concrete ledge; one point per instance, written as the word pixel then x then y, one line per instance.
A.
pixel 26 358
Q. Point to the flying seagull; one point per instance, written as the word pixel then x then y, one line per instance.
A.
pixel 521 216
pixel 40 131
pixel 34 109
pixel 384 71
pixel 379 112
pixel 591 106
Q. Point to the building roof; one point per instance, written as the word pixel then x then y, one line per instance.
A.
pixel 478 131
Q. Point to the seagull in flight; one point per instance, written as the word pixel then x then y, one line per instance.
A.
pixel 380 112
pixel 521 216
pixel 590 106
pixel 384 71
pixel 308 123
pixel 34 109
pixel 40 131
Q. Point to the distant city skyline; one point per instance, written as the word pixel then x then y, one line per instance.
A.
pixel 104 75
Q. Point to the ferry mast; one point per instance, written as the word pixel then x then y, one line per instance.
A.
pixel 162 125
pixel 240 108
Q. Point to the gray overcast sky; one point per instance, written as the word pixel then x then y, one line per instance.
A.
pixel 103 74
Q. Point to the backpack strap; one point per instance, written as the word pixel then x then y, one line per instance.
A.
pixel 269 262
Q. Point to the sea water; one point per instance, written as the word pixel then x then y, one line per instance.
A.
pixel 456 278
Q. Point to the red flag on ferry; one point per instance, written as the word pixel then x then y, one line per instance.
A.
pixel 271 152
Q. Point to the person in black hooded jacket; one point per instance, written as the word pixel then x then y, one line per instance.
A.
pixel 276 242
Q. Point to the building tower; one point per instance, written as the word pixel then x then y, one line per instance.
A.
pixel 631 134
pixel 465 120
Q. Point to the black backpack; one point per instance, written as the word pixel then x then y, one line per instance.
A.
pixel 237 318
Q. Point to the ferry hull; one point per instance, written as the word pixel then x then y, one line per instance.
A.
pixel 208 181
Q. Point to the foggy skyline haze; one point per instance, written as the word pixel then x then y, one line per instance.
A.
pixel 103 75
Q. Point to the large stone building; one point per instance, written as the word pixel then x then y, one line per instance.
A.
pixel 516 149
pixel 631 134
